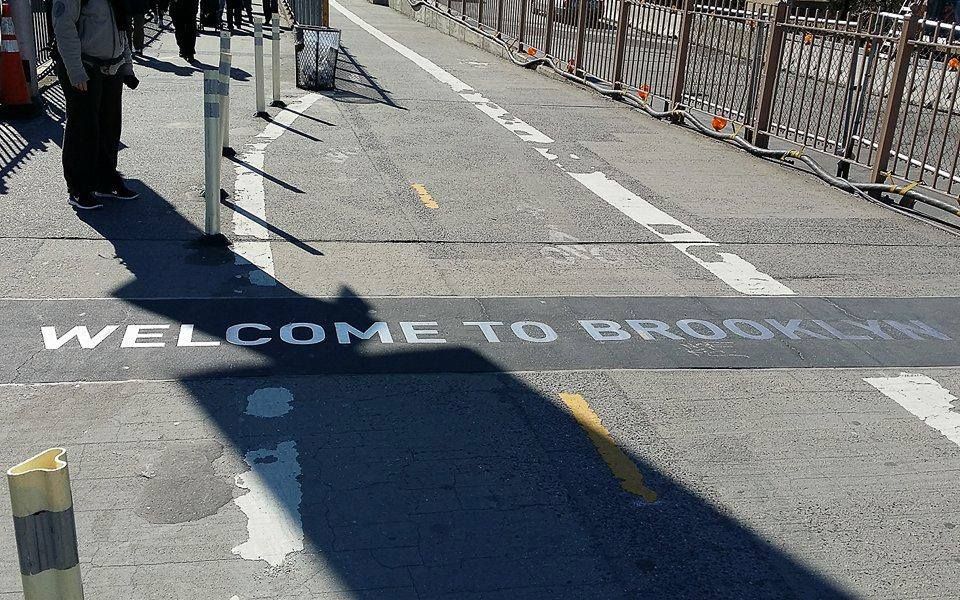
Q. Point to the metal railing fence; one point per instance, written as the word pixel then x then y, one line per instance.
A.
pixel 875 89
pixel 42 35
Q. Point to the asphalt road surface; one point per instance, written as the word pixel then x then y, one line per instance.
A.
pixel 480 334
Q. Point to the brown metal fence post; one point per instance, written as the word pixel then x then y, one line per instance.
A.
pixel 480 13
pixel 499 18
pixel 523 23
pixel 683 52
pixel 768 80
pixel 901 66
pixel 551 14
pixel 581 35
pixel 621 50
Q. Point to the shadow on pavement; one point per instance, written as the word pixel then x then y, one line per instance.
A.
pixel 20 140
pixel 354 84
pixel 449 484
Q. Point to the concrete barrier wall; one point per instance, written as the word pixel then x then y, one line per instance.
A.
pixel 444 25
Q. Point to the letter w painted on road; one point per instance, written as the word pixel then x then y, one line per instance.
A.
pixel 52 342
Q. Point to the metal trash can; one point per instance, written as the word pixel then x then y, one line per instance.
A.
pixel 317 49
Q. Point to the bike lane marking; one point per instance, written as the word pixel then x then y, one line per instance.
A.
pixel 250 195
pixel 732 269
pixel 925 398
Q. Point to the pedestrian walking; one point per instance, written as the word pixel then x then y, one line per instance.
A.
pixel 160 8
pixel 211 12
pixel 234 14
pixel 93 61
pixel 183 14
pixel 137 9
pixel 269 7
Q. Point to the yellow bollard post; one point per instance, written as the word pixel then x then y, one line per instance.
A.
pixel 45 529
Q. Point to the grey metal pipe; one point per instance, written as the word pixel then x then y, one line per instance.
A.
pixel 275 58
pixel 225 65
pixel 258 65
pixel 211 151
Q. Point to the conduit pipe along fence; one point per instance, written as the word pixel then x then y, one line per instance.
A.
pixel 876 91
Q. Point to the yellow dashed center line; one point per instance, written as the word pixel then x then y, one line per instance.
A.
pixel 425 196
pixel 620 464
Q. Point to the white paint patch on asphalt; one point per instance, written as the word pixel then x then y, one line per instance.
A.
pixel 545 152
pixel 732 269
pixel 250 197
pixel 518 127
pixel 925 398
pixel 260 256
pixel 268 403
pixel 272 506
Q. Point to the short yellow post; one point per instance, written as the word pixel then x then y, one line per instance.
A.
pixel 45 529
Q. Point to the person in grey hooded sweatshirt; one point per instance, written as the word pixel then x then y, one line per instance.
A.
pixel 93 61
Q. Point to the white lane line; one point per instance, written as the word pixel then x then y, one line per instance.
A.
pixel 738 273
pixel 925 398
pixel 259 256
pixel 249 195
pixel 272 504
pixel 730 268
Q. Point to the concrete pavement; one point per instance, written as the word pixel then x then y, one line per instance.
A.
pixel 369 394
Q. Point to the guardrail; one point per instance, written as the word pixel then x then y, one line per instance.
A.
pixel 42 35
pixel 877 90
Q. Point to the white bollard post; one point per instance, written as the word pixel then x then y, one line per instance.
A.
pixel 275 57
pixel 224 41
pixel 44 527
pixel 258 65
pixel 226 60
pixel 211 151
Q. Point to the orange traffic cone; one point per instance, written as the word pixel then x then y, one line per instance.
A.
pixel 13 80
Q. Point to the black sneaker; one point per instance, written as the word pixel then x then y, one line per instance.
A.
pixel 119 191
pixel 84 202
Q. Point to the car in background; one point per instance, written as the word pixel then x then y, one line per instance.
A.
pixel 566 11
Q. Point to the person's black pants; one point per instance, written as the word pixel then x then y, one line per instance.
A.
pixel 234 14
pixel 91 138
pixel 184 16
pixel 269 7
pixel 139 35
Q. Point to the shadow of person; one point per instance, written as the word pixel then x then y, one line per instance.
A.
pixel 415 470
pixel 164 66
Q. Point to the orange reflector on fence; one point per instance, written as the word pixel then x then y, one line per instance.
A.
pixel 571 66
pixel 644 91
pixel 532 51
pixel 953 64
pixel 808 38
pixel 719 123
